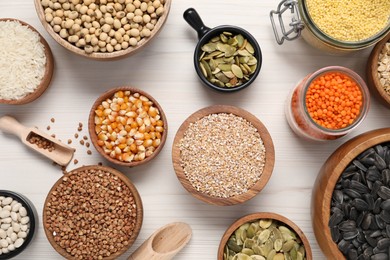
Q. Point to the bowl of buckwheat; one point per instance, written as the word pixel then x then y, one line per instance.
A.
pixel 92 212
pixel 378 71
pixel 103 30
pixel 127 126
pixel 223 155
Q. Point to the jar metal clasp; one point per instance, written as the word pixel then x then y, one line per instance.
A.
pixel 295 26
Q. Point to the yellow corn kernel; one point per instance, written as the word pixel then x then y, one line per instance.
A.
pixel 147 121
pixel 105 104
pixel 108 145
pixel 99 112
pixel 100 142
pixel 148 153
pixel 124 106
pixel 139 136
pixel 141 148
pixel 127 128
pixel 120 101
pixel 158 135
pixel 131 114
pixel 148 143
pixel 139 142
pixel 159 129
pixel 147 136
pixel 156 143
pixel 119 94
pixel 107 111
pixel 118 150
pixel 160 123
pixel 112 154
pixel 102 137
pixel 129 141
pixel 142 129
pixel 152 111
pixel 98 129
pixel 133 148
pixel 141 156
pixel 114 107
pixel 122 146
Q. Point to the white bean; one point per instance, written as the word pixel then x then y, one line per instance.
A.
pixel 3 243
pixel 22 234
pixel 23 211
pixel 24 227
pixel 10 231
pixel 5 226
pixel 6 201
pixel 24 220
pixel 6 220
pixel 18 243
pixel 14 216
pixel 11 247
pixel 4 250
pixel 4 214
pixel 14 236
pixel 16 226
pixel 16 207
pixel 3 234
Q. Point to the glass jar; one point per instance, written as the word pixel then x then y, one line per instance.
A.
pixel 299 118
pixel 302 24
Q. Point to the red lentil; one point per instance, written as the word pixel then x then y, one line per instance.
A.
pixel 334 100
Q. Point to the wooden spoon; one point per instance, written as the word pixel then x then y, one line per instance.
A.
pixel 61 154
pixel 164 243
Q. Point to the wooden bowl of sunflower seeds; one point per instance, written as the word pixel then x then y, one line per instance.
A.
pixel 378 70
pixel 264 235
pixel 223 155
pixel 92 212
pixel 351 199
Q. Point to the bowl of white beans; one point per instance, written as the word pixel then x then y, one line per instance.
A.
pixel 103 30
pixel 18 219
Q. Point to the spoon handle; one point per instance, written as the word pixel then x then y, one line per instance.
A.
pixel 10 125
pixel 165 243
pixel 192 18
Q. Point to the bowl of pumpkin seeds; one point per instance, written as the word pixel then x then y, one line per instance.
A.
pixel 264 235
pixel 227 58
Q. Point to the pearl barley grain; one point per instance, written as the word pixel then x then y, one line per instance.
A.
pixel 222 155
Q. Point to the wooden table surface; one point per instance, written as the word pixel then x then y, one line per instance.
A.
pixel 165 70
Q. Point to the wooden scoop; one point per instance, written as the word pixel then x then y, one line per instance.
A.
pixel 165 243
pixel 61 154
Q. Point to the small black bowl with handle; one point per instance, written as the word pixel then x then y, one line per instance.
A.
pixel 242 58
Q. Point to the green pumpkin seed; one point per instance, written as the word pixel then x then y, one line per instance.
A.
pixel 237 71
pixel 249 48
pixel 220 76
pixel 232 245
pixel 279 256
pixel 207 68
pixel 288 245
pixel 224 38
pixel 240 40
pixel 247 251
pixel 254 227
pixel 265 223
pixel 203 69
pixel 227 33
pixel 225 67
pixel 278 244
pixel 271 254
pixel 209 47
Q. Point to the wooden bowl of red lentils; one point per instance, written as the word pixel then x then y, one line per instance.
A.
pixel 127 126
pixel 92 212
pixel 378 70
pixel 223 155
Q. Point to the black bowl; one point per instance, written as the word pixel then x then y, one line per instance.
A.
pixel 205 34
pixel 31 213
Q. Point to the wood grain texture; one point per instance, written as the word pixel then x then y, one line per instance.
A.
pixel 372 73
pixel 327 179
pixel 134 192
pixel 258 216
pixel 269 155
pixel 94 137
pixel 46 79
pixel 100 55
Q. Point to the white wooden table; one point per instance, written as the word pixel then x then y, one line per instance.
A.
pixel 165 70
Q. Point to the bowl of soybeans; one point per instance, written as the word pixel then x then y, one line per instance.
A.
pixel 264 235
pixel 103 30
pixel 223 155
pixel 351 199
pixel 127 126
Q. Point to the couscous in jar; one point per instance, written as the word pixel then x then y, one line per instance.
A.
pixel 334 26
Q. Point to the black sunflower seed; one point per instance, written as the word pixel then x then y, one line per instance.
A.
pixel 380 256
pixel 379 162
pixel 376 234
pixel 338 196
pixel 379 222
pixel 347 225
pixel 368 161
pixel 375 188
pixel 385 216
pixel 367 220
pixel 379 150
pixel 383 243
pixel 387 157
pixel 386 204
pixel 376 250
pixel 335 219
pixel 377 206
pixel 384 192
pixel 371 241
pixel 368 253
pixel 343 245
pixel 335 233
pixel 366 153
pixel 370 200
pixel 386 177
pixel 359 187
pixel 360 204
pixel 352 193
pixel 388 231
pixel 353 214
pixel 359 165
pixel 373 174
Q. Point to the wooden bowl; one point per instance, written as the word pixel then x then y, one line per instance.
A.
pixel 46 77
pixel 94 137
pixel 258 216
pixel 269 155
pixel 372 73
pixel 128 183
pixel 100 55
pixel 327 179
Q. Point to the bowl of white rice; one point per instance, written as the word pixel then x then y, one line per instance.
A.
pixel 26 61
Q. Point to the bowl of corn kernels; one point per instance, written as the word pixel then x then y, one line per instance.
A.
pixel 127 126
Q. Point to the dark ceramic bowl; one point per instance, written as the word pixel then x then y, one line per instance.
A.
pixel 205 34
pixel 31 213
